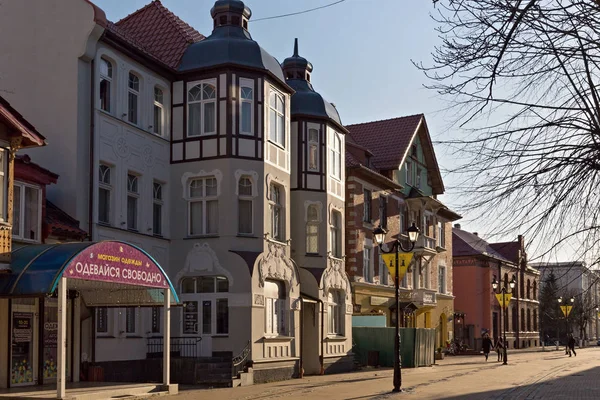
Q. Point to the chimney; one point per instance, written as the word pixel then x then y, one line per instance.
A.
pixel 475 233
pixel 457 226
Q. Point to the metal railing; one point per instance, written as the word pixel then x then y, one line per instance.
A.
pixel 182 347
pixel 238 363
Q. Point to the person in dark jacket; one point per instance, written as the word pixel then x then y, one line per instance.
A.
pixel 487 346
pixel 498 346
pixel 572 345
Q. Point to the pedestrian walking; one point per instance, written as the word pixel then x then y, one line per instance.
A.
pixel 487 345
pixel 498 346
pixel 572 345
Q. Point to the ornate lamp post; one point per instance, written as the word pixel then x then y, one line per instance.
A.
pixel 504 316
pixel 566 311
pixel 413 234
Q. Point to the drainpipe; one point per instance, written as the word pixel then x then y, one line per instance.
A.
pixel 322 338
pixel 91 186
pixel 301 365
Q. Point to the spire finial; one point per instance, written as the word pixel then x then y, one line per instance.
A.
pixel 296 47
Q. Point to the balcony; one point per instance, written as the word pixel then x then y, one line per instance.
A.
pixel 425 297
pixel 426 246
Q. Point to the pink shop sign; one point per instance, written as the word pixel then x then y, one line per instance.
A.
pixel 116 262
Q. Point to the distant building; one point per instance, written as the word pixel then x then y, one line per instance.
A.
pixel 476 264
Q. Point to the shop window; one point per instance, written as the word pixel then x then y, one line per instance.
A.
pixel 202 109
pixel 131 320
pixel 27 212
pixel 275 308
pixel 203 206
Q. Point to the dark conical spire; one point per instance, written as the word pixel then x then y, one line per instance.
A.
pixel 296 67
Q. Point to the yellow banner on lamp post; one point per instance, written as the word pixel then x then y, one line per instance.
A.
pixel 404 260
pixel 566 310
pixel 503 302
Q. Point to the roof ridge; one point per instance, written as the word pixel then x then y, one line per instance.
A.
pixel 175 20
pixel 387 119
pixel 136 12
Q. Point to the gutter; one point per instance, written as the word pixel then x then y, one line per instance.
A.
pixel 92 139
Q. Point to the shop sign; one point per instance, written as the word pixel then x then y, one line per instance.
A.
pixel 22 332
pixel 378 301
pixel 116 262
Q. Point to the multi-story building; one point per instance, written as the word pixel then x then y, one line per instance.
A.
pixel 576 279
pixel 190 148
pixel 476 264
pixel 393 181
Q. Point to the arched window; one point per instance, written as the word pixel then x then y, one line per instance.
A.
pixel 202 110
pixel 522 319
pixel 528 320
pixel 203 206
pixel 336 306
pixel 157 126
pixel 534 290
pixel 336 156
pixel 276 313
pixel 336 234
pixel 133 98
pixel 535 318
pixel 313 150
pixel 528 289
pixel 276 118
pixel 245 206
pixel 246 106
pixel 276 203
pixel 312 229
pixel 106 79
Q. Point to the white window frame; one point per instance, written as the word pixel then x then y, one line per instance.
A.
pixel 274 205
pixel 214 297
pixel 131 91
pixel 108 77
pixel 204 199
pixel 158 200
pixel 136 322
pixel 133 192
pixel 312 149
pixel 335 152
pixel 384 274
pixel 276 312
pixel 280 115
pixel 246 84
pixel 249 198
pixel 335 234
pixel 21 186
pixel 336 313
pixel 442 279
pixel 3 185
pixel 108 186
pixel 368 263
pixel 203 102
pixel 159 106
pixel 312 223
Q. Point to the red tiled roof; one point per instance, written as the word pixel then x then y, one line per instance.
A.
pixel 351 161
pixel 387 139
pixel 157 32
pixel 17 122
pixel 62 225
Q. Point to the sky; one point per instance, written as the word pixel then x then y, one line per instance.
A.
pixel 361 51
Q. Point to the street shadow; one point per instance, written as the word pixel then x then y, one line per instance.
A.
pixel 581 385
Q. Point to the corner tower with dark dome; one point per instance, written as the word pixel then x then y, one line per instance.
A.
pixel 318 191
pixel 230 168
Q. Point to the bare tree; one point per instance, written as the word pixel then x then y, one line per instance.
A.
pixel 521 78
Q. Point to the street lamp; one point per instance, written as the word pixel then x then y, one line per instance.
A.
pixel 413 234
pixel 503 291
pixel 566 312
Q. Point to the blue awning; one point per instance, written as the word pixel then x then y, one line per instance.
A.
pixel 36 270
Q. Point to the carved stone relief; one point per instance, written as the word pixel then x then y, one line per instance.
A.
pixel 335 277
pixel 190 175
pixel 259 300
pixel 147 156
pixel 121 147
pixel 202 260
pixel 253 174
pixel 275 264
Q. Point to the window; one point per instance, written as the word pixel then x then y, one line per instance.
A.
pixel 132 202
pixel 222 317
pixel 157 207
pixel 383 211
pixel 534 292
pixel 277 215
pixel 275 308
pixel 130 320
pixel 203 206
pixel 402 214
pixel 26 212
pixel 528 320
pixel 276 118
pixel 441 235
pixel 384 275
pixel 336 234
pixel 205 284
pixel 312 230
pixel 528 289
pixel 158 111
pixel 522 319
pixel 336 157
pixel 106 76
pixel 246 109
pixel 367 206
pixel 336 306
pixel 102 320
pixel 441 279
pixel 132 98
pixel 418 183
pixel 202 110
pixel 245 217
pixel 155 328
pixel 313 150
pixel 104 190
pixel 367 267
pixel 409 173
pixel 3 185
pixel 535 321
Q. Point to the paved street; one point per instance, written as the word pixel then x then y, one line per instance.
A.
pixel 532 375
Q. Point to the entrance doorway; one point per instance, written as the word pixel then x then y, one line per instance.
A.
pixel 24 342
